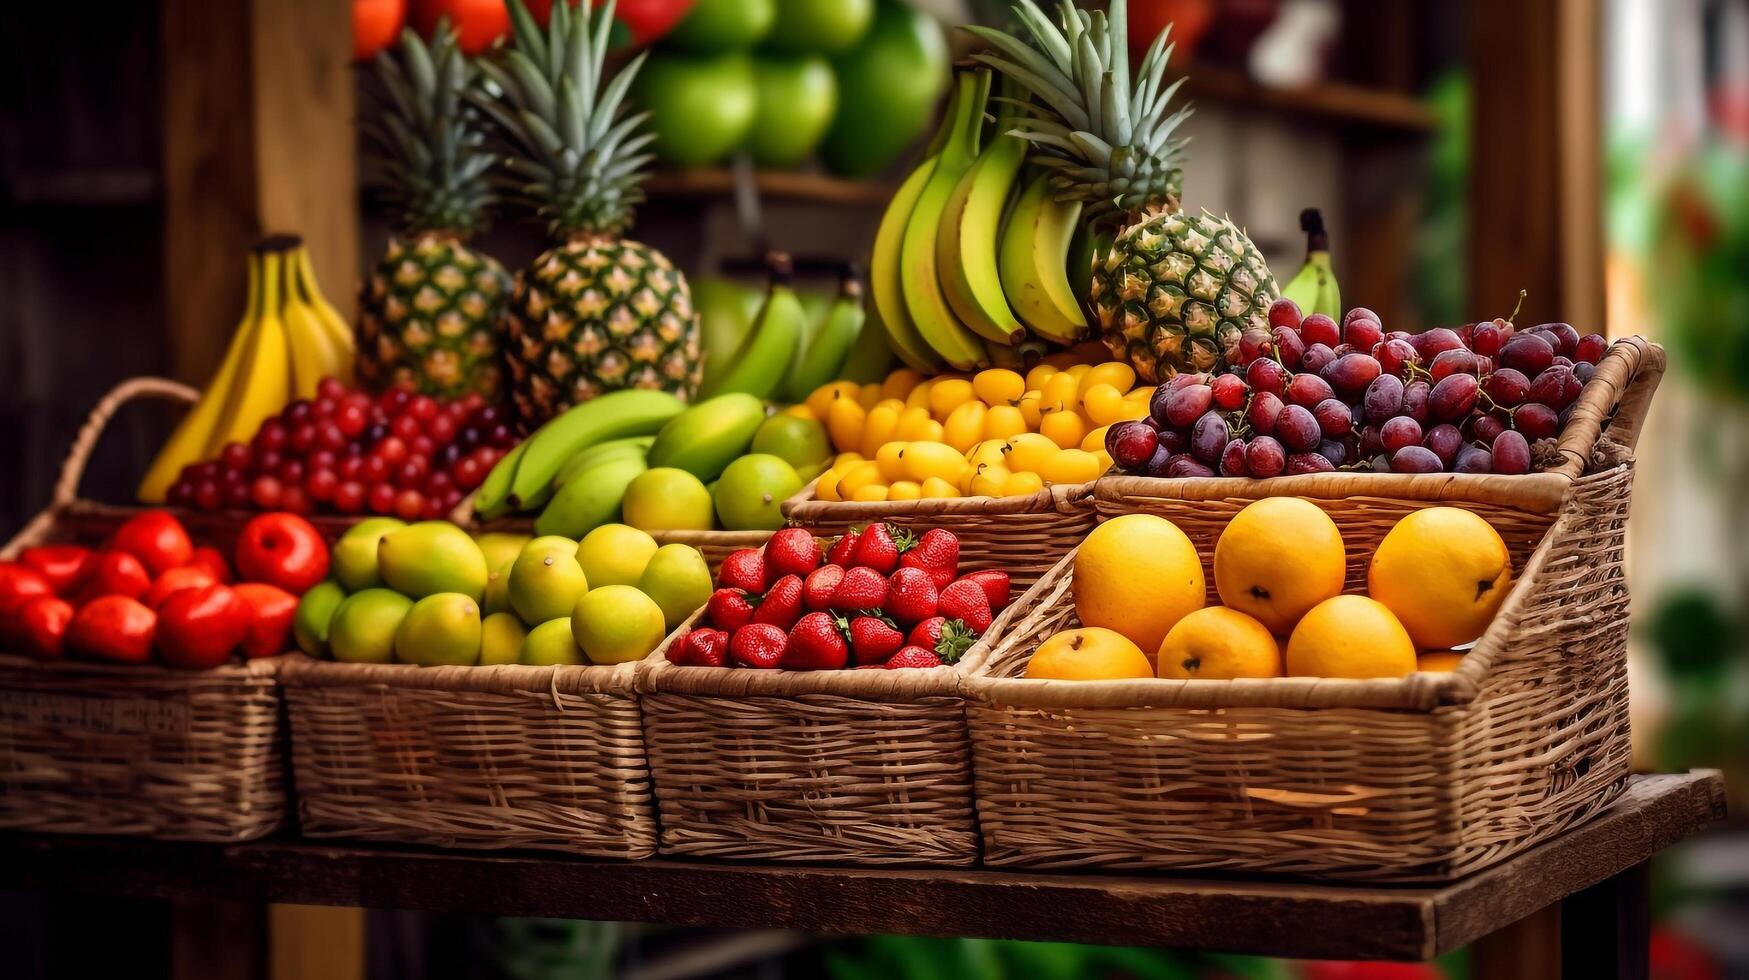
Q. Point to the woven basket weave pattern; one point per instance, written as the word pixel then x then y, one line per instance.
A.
pixel 471 757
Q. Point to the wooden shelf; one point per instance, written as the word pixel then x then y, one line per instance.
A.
pixel 1250 915
pixel 773 185
pixel 1335 103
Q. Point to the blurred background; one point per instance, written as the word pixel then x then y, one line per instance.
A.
pixel 1593 153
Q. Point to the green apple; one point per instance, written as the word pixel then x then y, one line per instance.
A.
pixel 364 626
pixel 700 106
pixel 797 97
pixel 825 26
pixel 550 645
pixel 354 556
pixel 314 614
pixel 617 624
pixel 888 88
pixel 441 630
pixel 722 25
pixel 501 639
pixel 679 581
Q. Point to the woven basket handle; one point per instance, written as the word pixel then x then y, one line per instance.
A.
pixel 73 470
pixel 1621 389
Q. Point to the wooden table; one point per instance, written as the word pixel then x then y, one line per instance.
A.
pixel 1584 893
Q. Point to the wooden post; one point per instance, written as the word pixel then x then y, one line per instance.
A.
pixel 258 137
pixel 1529 949
pixel 1536 161
pixel 1606 930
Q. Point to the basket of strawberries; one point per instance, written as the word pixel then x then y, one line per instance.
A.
pixel 811 710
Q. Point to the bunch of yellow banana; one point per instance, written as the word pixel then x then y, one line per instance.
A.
pixel 969 265
pixel 289 339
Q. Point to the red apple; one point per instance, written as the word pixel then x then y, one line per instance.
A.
pixel 41 626
pixel 282 549
pixel 114 573
pixel 209 558
pixel 64 565
pixel 200 627
pixel 177 579
pixel 271 609
pixel 157 539
pixel 113 627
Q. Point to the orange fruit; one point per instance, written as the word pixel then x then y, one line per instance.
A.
pixel 1439 661
pixel 1091 653
pixel 1219 643
pixel 1444 571
pixel 1350 636
pixel 1278 558
pixel 1139 575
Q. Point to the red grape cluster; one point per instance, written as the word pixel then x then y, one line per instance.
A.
pixel 1309 395
pixel 345 452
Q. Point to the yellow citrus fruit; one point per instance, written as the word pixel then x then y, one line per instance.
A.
pixel 998 386
pixel 1218 643
pixel 856 476
pixel 1350 636
pixel 936 488
pixel 1103 404
pixel 947 395
pixel 1063 428
pixel 964 425
pixel 844 422
pixel 1137 574
pixel 1439 661
pixel 926 459
pixel 1115 373
pixel 1031 407
pixel 1002 421
pixel 891 460
pixel 1444 571
pixel 826 488
pixel 1040 373
pixel 1022 484
pixel 903 490
pixel 869 395
pixel 1094 440
pixel 1277 558
pixel 1091 653
pixel 1070 466
pixel 821 398
pixel 1028 451
pixel 899 383
pixel 871 492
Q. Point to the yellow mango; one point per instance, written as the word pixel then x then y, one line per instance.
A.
pixel 964 425
pixel 926 459
pixel 1103 404
pixel 844 422
pixel 856 476
pixel 988 481
pixel 1115 373
pixel 1031 409
pixel 821 398
pixel 1070 466
pixel 936 488
pixel 1095 439
pixel 881 424
pixel 890 458
pixel 869 395
pixel 871 492
pixel 899 383
pixel 1040 373
pixel 998 386
pixel 1002 421
pixel 988 451
pixel 948 395
pixel 1022 484
pixel 1060 394
pixel 1028 452
pixel 904 490
pixel 826 488
pixel 801 412
pixel 919 396
pixel 1063 428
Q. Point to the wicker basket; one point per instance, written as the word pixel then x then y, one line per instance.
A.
pixel 142 750
pixel 714 545
pixel 1423 778
pixel 1022 536
pixel 512 756
pixel 852 766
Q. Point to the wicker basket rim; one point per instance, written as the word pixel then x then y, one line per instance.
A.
pixel 303 671
pixel 263 667
pixel 1058 497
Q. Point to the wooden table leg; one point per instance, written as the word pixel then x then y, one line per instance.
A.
pixel 218 941
pixel 1529 949
pixel 1606 930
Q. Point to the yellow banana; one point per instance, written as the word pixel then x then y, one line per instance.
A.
pixel 919 276
pixel 339 333
pixel 966 244
pixel 1033 259
pixel 188 443
pixel 263 383
pixel 886 295
pixel 307 345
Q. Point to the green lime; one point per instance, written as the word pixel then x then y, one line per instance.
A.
pixel 752 490
pixel 795 440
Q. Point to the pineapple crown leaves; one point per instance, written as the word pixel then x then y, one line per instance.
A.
pixel 430 141
pixel 1108 142
pixel 578 148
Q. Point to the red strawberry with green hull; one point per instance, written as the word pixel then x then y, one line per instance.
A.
pixel 876 549
pixel 841 551
pixel 744 570
pixel 995 585
pixel 936 552
pixel 818 587
pixel 966 601
pixel 703 647
pixel 728 609
pixel 873 639
pixel 861 588
pixel 792 551
pixel 815 644
pixel 947 638
pixel 913 657
pixel 758 645
pixel 781 605
pixel 911 596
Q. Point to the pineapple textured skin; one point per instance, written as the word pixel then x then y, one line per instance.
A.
pixel 428 320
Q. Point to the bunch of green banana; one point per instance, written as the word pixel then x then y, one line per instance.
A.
pixel 1034 262
pixel 1314 287
pixel 827 353
pixel 524 479
pixel 761 363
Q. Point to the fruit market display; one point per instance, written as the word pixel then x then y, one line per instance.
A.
pixel 1310 395
pixel 289 339
pixel 644 458
pixel 345 452
pixel 995 433
pixel 596 312
pixel 877 598
pixel 428 311
pixel 430 594
pixel 1434 583
pixel 778 80
pixel 150 594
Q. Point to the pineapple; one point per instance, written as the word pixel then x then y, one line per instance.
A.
pixel 595 312
pixel 1174 291
pixel 428 313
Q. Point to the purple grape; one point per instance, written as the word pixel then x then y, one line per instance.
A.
pixel 1507 387
pixel 1561 335
pixel 1299 463
pixel 1351 373
pixel 1400 433
pixel 1333 451
pixel 1319 328
pixel 1474 459
pixel 1131 444
pixel 1415 459
pixel 1453 397
pixel 1254 342
pixel 1333 417
pixel 1484 428
pixel 1363 332
pixel 1184 466
pixel 1589 349
pixel 1316 357
pixel 1265 409
pixel 1535 421
pixel 1556 387
pixel 1371 443
pixel 1445 440
pixel 1415 395
pixel 1527 352
pixel 1584 369
pixel 1174 440
pixel 1435 342
pixel 1485 339
pixel 1209 437
pixel 1297 429
pixel 1384 397
pixel 1266 375
pixel 1289 348
pixel 1186 379
pixel 1233 459
pixel 1158 462
pixel 1511 454
pixel 1359 313
pixel 1450 362
pixel 1395 356
pixel 1307 390
pixel 1157 404
pixel 1187 404
pixel 1264 457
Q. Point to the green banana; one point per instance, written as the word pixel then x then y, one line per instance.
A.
pixel 589 499
pixel 1314 287
pixel 839 330
pixel 1089 245
pixel 638 446
pixel 630 412
pixel 706 438
pixel 871 357
pixel 919 276
pixel 764 357
pixel 965 245
pixel 886 295
pixel 493 497
pixel 1033 258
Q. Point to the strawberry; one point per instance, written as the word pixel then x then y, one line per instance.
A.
pixel 816 644
pixel 966 601
pixel 913 657
pixel 936 552
pixel 947 638
pixel 995 586
pixel 728 609
pixel 818 587
pixel 782 604
pixel 872 638
pixel 911 596
pixel 703 647
pixel 792 551
pixel 843 548
pixel 759 645
pixel 861 588
pixel 744 570
pixel 876 549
